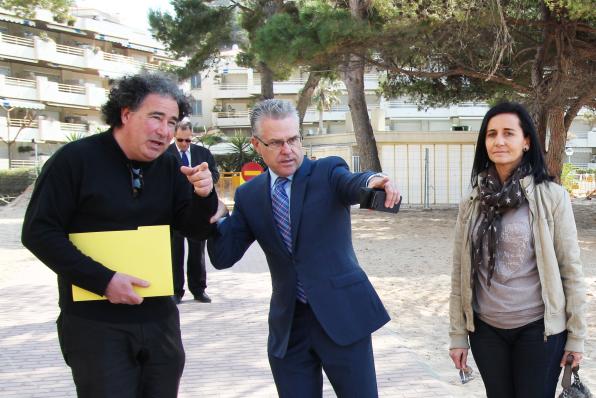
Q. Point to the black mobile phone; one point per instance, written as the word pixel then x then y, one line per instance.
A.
pixel 374 199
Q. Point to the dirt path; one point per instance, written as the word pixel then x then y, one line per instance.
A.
pixel 408 258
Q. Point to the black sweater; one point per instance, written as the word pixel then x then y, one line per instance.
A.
pixel 86 187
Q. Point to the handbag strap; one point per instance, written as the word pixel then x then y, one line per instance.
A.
pixel 566 380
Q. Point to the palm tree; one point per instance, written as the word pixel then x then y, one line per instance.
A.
pixel 240 145
pixel 327 94
pixel 209 138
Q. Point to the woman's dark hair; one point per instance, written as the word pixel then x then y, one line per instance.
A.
pixel 532 159
pixel 130 92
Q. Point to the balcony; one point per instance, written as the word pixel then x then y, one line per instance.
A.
pixel 293 86
pixel 41 129
pixel 371 81
pixel 583 139
pixel 54 94
pixel 231 90
pixel 396 109
pixel 36 50
pixel 24 130
pixel 231 119
pixel 337 112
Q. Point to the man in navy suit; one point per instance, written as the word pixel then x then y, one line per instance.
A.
pixel 323 307
pixel 190 155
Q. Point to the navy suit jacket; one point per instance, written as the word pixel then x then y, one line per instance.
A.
pixel 198 155
pixel 338 290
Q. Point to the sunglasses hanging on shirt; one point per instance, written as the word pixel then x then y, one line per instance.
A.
pixel 136 180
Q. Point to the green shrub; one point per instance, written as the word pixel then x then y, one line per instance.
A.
pixel 14 181
pixel 567 176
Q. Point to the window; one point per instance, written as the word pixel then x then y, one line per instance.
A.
pixel 195 81
pixel 197 107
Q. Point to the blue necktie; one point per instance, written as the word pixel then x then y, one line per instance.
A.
pixel 281 213
pixel 184 159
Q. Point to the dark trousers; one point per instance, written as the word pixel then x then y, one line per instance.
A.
pixel 517 362
pixel 350 369
pixel 128 360
pixel 195 266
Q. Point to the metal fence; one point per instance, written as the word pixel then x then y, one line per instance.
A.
pixel 429 174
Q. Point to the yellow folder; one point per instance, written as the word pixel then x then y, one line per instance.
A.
pixel 144 253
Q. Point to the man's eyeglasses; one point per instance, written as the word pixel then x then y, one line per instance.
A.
pixel 292 142
pixel 136 181
pixel 187 140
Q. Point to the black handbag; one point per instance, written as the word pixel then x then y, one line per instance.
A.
pixel 577 389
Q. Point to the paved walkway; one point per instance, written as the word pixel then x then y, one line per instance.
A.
pixel 225 341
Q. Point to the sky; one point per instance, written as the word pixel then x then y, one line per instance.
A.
pixel 130 12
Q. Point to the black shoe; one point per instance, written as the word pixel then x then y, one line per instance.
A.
pixel 202 297
pixel 177 299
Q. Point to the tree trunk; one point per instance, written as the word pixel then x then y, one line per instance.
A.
pixel 306 95
pixel 29 116
pixel 353 78
pixel 540 116
pixel 266 81
pixel 556 146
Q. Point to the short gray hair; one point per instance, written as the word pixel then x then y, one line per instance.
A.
pixel 271 109
pixel 184 124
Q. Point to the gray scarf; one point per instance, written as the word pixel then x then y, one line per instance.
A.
pixel 495 199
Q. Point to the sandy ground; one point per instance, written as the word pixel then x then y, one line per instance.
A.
pixel 408 258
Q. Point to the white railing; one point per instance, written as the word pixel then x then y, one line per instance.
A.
pixel 300 82
pixel 22 164
pixel 129 60
pixel 67 88
pixel 14 81
pixel 232 114
pixel 582 135
pixel 23 123
pixel 232 86
pixel 400 104
pixel 290 82
pixel 70 50
pixel 118 58
pixel 73 127
pixel 148 66
pixel 334 108
pixel 20 41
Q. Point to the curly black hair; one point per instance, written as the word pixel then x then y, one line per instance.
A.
pixel 130 92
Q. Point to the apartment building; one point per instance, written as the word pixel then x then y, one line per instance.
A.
pixel 54 77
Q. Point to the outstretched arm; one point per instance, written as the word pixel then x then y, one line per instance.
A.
pixel 232 238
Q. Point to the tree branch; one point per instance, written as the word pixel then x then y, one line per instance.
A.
pixel 459 71
pixel 242 6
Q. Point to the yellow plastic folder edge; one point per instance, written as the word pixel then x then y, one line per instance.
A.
pixel 144 253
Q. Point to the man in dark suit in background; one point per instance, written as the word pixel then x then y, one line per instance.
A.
pixel 323 307
pixel 190 155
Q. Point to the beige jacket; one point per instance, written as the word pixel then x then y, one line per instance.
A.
pixel 557 258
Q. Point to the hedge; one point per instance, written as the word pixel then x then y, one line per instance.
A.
pixel 14 181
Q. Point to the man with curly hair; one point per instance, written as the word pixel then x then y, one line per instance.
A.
pixel 124 346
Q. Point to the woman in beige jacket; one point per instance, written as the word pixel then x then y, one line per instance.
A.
pixel 517 290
